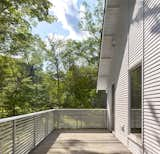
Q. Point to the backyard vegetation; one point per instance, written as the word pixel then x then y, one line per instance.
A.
pixel 37 76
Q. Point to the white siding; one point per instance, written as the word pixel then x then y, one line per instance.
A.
pixel 135 32
pixel 121 100
pixel 135 50
pixel 128 53
pixel 140 40
pixel 152 76
pixel 120 76
pixel 134 147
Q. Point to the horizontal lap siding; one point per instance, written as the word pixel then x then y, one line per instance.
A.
pixel 121 76
pixel 136 32
pixel 121 99
pixel 135 50
pixel 152 76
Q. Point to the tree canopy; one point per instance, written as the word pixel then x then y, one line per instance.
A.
pixel 35 76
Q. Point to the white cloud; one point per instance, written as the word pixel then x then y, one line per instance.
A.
pixel 68 8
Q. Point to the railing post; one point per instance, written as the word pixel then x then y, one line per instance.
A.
pixel 14 135
pixel 105 119
pixel 46 124
pixel 54 121
pixel 0 141
pixel 81 118
pixel 34 131
pixel 76 121
pixel 57 119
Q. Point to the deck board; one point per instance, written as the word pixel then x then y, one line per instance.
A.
pixel 81 142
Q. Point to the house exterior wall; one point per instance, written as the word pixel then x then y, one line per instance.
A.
pixel 135 57
pixel 151 76
pixel 137 42
pixel 128 53
pixel 119 75
pixel 135 32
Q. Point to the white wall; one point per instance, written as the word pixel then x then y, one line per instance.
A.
pixel 138 41
pixel 120 75
pixel 128 53
pixel 152 77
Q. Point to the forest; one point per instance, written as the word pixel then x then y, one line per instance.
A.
pixel 37 75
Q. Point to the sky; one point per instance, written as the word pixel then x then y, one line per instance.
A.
pixel 68 13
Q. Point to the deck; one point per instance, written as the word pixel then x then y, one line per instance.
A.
pixel 81 142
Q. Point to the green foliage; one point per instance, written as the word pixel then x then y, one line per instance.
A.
pixel 16 18
pixel 92 19
pixel 33 77
pixel 15 83
pixel 80 86
pixel 91 22
pixel 19 88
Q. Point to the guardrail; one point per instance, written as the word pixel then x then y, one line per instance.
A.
pixel 20 134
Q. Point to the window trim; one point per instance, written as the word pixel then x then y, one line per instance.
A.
pixel 133 67
pixel 132 136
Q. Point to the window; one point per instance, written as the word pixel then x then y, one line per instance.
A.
pixel 135 102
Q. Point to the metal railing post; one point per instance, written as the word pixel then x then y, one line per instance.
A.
pixel 81 118
pixel 34 131
pixel 54 120
pixel 57 119
pixel 0 141
pixel 76 121
pixel 14 135
pixel 46 124
pixel 105 119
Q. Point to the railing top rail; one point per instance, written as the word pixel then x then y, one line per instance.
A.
pixel 84 109
pixel 24 116
pixel 42 112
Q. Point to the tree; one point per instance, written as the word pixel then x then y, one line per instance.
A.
pixel 76 57
pixel 16 86
pixel 19 81
pixel 35 77
pixel 16 19
pixel 79 86
pixel 91 22
pixel 54 64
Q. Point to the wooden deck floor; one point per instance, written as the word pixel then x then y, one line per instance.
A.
pixel 81 142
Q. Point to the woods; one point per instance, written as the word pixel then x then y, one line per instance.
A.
pixel 37 75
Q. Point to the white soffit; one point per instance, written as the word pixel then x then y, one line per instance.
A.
pixel 102 81
pixel 109 28
pixel 103 71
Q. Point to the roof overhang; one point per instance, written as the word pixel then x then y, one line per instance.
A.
pixel 111 14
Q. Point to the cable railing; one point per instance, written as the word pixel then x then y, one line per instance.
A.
pixel 21 134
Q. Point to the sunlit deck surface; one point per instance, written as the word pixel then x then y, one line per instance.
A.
pixel 81 142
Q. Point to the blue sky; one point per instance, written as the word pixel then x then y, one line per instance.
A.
pixel 68 15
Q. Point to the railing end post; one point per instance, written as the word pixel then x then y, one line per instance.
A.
pixel 14 135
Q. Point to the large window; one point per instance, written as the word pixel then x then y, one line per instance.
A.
pixel 135 101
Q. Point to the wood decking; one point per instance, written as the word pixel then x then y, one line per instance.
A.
pixel 81 142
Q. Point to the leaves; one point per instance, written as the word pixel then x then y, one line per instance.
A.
pixel 34 77
pixel 16 18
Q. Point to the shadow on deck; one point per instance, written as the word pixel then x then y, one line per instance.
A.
pixel 81 142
